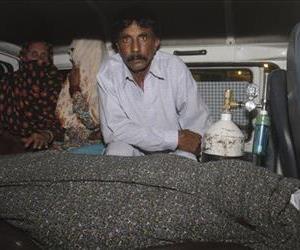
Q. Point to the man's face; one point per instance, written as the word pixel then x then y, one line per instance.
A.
pixel 137 47
pixel 37 51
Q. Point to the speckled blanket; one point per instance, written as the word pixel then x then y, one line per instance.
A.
pixel 68 201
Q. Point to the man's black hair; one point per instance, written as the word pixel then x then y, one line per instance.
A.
pixel 144 18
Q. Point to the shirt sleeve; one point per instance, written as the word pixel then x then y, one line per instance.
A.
pixel 116 126
pixel 191 108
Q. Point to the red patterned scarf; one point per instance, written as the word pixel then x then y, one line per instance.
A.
pixel 28 100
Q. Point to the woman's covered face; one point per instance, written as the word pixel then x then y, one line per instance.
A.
pixel 37 51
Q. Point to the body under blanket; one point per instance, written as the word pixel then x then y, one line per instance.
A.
pixel 68 201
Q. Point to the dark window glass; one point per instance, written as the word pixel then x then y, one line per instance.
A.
pixel 222 75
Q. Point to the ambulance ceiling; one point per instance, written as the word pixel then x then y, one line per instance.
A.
pixel 58 21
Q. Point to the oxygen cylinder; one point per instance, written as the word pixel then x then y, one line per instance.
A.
pixel 224 139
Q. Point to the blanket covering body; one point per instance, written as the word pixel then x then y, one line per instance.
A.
pixel 68 201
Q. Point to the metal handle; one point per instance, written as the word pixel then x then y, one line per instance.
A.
pixel 190 52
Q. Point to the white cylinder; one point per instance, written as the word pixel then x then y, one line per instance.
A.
pixel 224 138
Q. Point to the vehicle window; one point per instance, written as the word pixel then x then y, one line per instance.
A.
pixel 224 75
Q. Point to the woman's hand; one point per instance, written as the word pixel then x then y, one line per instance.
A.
pixel 38 140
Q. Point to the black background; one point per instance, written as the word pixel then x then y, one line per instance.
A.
pixel 60 21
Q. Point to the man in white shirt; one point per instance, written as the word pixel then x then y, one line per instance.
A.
pixel 148 99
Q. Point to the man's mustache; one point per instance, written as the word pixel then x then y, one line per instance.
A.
pixel 136 57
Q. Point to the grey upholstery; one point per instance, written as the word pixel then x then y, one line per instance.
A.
pixel 284 95
pixel 281 134
pixel 293 88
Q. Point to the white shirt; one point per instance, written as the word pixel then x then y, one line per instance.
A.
pixel 150 119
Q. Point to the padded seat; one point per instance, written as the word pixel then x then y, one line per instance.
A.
pixel 281 133
pixel 284 95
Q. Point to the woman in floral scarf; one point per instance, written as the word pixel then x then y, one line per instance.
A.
pixel 28 100
pixel 77 106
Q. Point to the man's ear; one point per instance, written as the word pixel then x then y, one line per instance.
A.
pixel 117 47
pixel 157 43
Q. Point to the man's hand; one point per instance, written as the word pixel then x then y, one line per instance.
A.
pixel 189 141
pixel 37 140
pixel 74 80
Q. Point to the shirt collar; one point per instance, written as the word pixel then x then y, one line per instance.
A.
pixel 154 70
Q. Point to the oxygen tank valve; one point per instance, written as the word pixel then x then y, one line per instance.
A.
pixel 229 102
